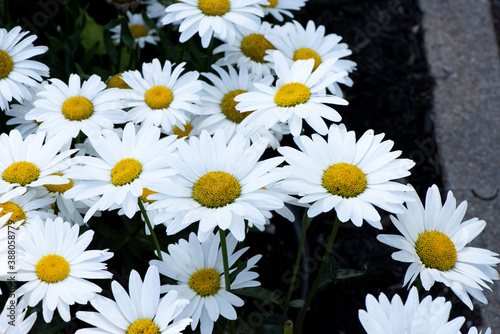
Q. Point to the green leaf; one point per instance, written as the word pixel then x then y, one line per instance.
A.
pixel 126 35
pixel 349 273
pixel 93 36
pixel 261 293
pixel 297 303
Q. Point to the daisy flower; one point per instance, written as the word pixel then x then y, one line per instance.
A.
pixel 162 96
pixel 434 240
pixel 56 266
pixel 473 330
pixel 296 42
pixel 218 184
pixel 248 50
pixel 29 163
pixel 125 167
pixel 27 206
pixel 17 112
pixel 16 70
pixel 155 10
pixel 16 324
pixel 198 269
pixel 139 311
pixel 393 317
pixel 278 8
pixel 299 94
pixel 220 106
pixel 138 29
pixel 68 109
pixel 347 175
pixel 217 18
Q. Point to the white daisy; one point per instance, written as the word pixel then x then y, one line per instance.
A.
pixel 198 269
pixel 138 29
pixel 393 317
pixel 139 311
pixel 155 10
pixel 27 206
pixel 218 184
pixel 248 50
pixel 16 70
pixel 68 109
pixel 278 8
pixel 12 320
pixel 17 112
pixel 434 241
pixel 347 175
pixel 124 167
pixel 29 163
pixel 296 43
pixel 220 106
pixel 299 94
pixel 162 96
pixel 473 330
pixel 213 17
pixel 56 266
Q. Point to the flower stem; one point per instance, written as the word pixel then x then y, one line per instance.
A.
pixel 305 224
pixel 319 275
pixel 225 263
pixel 151 230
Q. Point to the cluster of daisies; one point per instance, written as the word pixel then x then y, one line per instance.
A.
pixel 185 150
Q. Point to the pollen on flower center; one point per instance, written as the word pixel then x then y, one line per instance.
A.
pixel 292 94
pixel 205 282
pixel 254 46
pixel 17 212
pixel 216 189
pixel 436 250
pixel 158 97
pixel 145 193
pixel 52 268
pixel 6 64
pixel 344 180
pixel 183 133
pixel 138 30
pixel 228 106
pixel 306 53
pixel 214 7
pixel 143 326
pixel 77 108
pixel 59 188
pixel 21 172
pixel 125 171
pixel 272 4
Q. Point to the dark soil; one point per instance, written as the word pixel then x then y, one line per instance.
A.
pixel 392 93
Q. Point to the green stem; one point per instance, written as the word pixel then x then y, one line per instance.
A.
pixel 305 224
pixel 288 327
pixel 319 275
pixel 225 263
pixel 150 227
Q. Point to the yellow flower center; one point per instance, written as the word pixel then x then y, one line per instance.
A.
pixel 125 171
pixel 77 108
pixel 17 212
pixel 436 250
pixel 116 81
pixel 306 53
pixel 21 172
pixel 344 180
pixel 183 133
pixel 272 4
pixel 52 268
pixel 59 188
pixel 6 64
pixel 158 97
pixel 292 94
pixel 143 326
pixel 216 189
pixel 145 193
pixel 214 7
pixel 228 106
pixel 138 30
pixel 205 282
pixel 254 46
